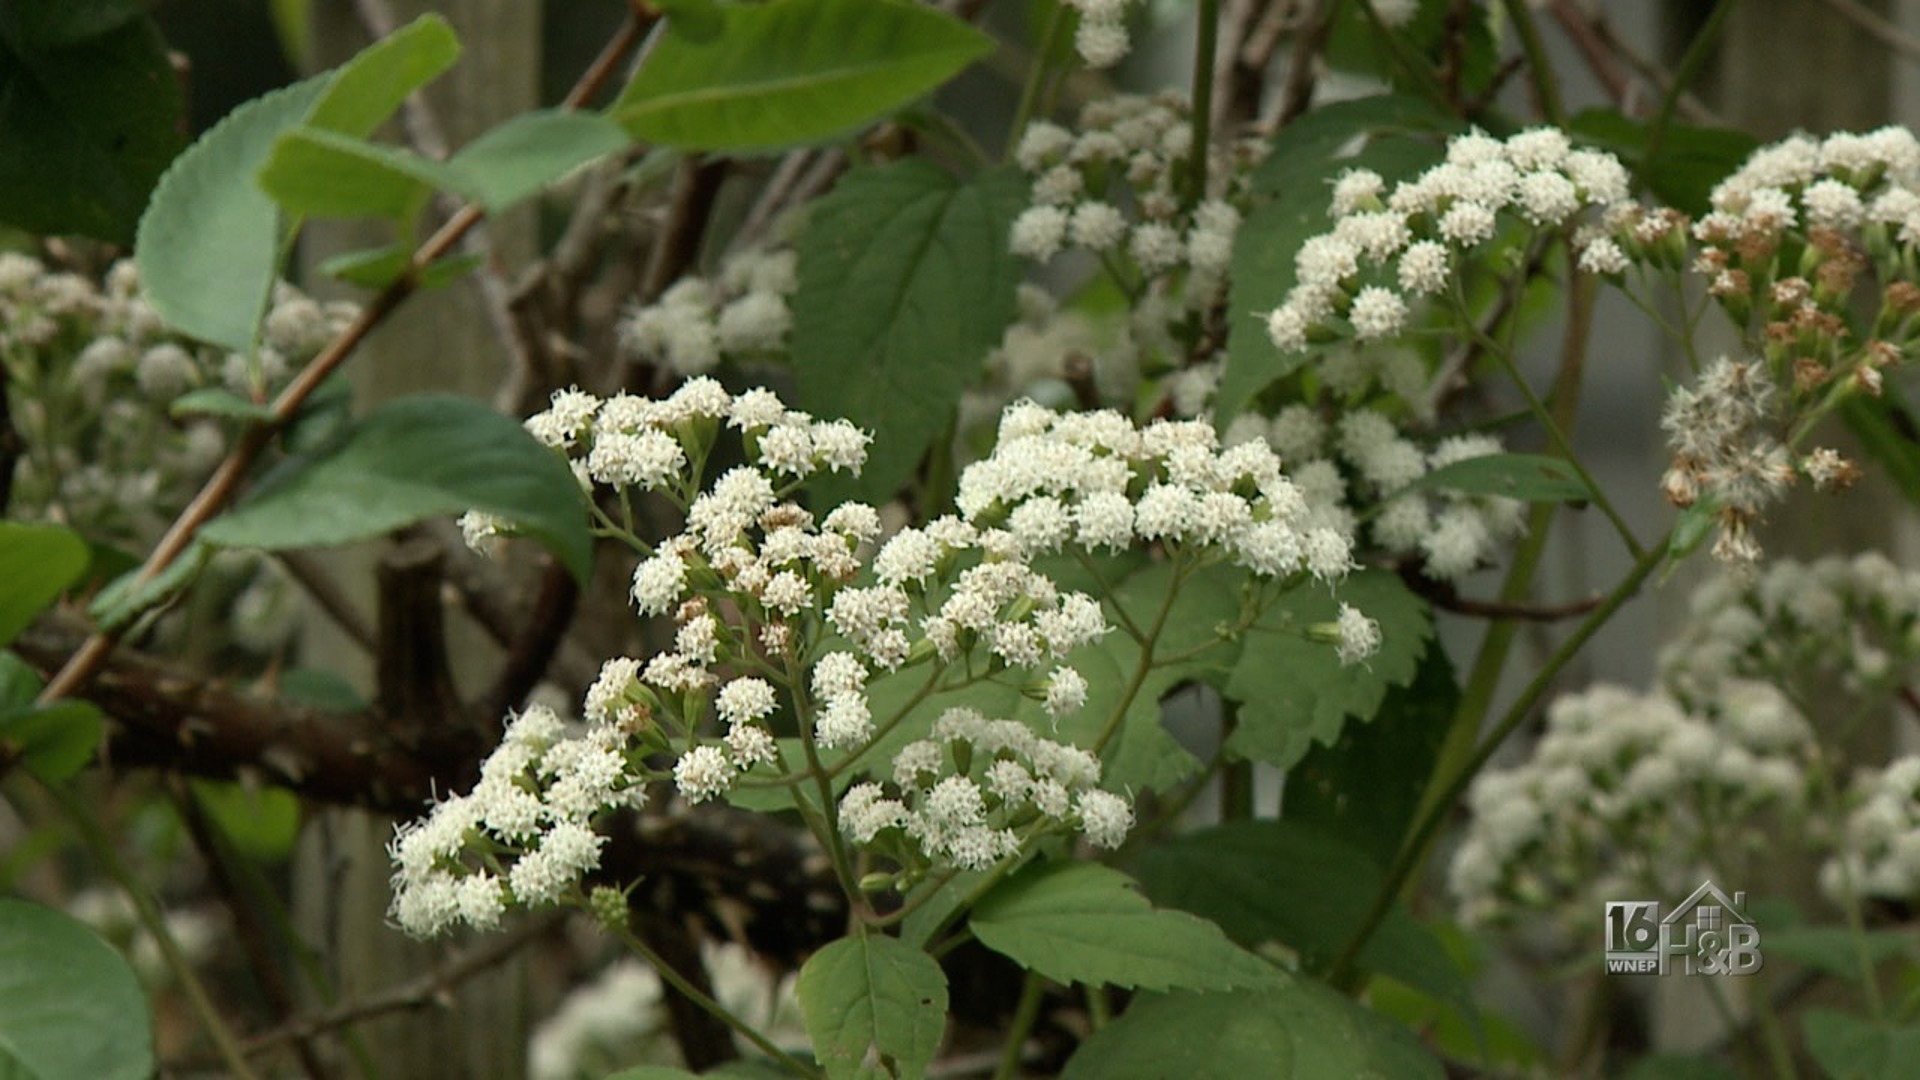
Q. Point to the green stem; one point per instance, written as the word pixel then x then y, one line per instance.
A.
pixel 1036 78
pixel 155 924
pixel 1032 992
pixel 1691 62
pixel 1435 810
pixel 1545 85
pixel 1772 1034
pixel 1206 43
pixel 1143 667
pixel 718 1011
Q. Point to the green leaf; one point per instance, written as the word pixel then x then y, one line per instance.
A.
pixel 1690 161
pixel 793 71
pixel 409 460
pixel 1264 248
pixel 219 401
pixel 530 151
pixel 1851 1048
pixel 367 89
pixel 376 268
pixel 53 741
pixel 90 113
pixel 1302 149
pixel 318 173
pixel 260 822
pixel 1366 786
pixel 209 243
pixel 1886 427
pixel 1083 922
pixel 905 284
pixel 37 563
pixel 1293 692
pixel 1527 477
pixel 1834 950
pixel 70 1007
pixel 1680 1067
pixel 871 994
pixel 126 597
pixel 1300 1029
pixel 1278 881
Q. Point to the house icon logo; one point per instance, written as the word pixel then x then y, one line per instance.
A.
pixel 1708 933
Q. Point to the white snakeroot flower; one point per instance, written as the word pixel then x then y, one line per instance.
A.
pixel 1066 691
pixel 1601 255
pixel 701 773
pixel 1042 142
pixel 1357 189
pixel 480 530
pixel 1105 818
pixel 1359 635
pixel 1423 268
pixel 659 582
pixel 1377 313
pixel 565 420
pixel 1097 226
pixel 844 721
pixel 1038 232
pixel 1100 41
pixel 745 699
pixel 1156 247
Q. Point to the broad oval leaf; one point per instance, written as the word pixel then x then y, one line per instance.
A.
pixel 1301 1029
pixel 872 993
pixel 792 71
pixel 1527 477
pixel 367 89
pixel 318 173
pixel 209 243
pixel 70 1007
pixel 530 151
pixel 1086 923
pixel 1293 692
pixel 905 284
pixel 1855 1048
pixel 409 460
pixel 37 562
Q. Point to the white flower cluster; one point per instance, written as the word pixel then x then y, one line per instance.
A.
pixel 1097 481
pixel 1111 190
pixel 91 369
pixel 975 791
pixel 1846 623
pixel 1364 464
pixel 1630 794
pixel 1101 39
pixel 534 806
pixel 1389 250
pixel 1878 849
pixel 698 322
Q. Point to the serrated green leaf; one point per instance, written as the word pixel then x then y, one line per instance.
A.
pixel 367 89
pixel 1263 249
pixel 530 151
pixel 1300 1029
pixel 1853 1048
pixel 90 112
pixel 1083 922
pixel 260 822
pixel 793 71
pixel 1527 477
pixel 905 284
pixel 1294 692
pixel 70 1007
pixel 219 401
pixel 318 173
pixel 869 993
pixel 1835 950
pixel 209 243
pixel 412 459
pixel 1302 149
pixel 37 563
pixel 1366 786
pixel 1278 881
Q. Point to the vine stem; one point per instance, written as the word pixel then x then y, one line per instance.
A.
pixel 1691 62
pixel 719 1012
pixel 1545 85
pixel 1205 44
pixel 1413 853
pixel 1032 993
pixel 233 469
pixel 155 923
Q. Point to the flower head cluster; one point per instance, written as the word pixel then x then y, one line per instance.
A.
pixel 1097 481
pixel 1101 39
pixel 699 321
pixel 1630 793
pixel 1390 249
pixel 524 835
pixel 1366 463
pixel 976 791
pixel 91 369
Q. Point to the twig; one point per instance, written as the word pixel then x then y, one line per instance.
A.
pixel 1298 92
pixel 1578 23
pixel 416 993
pixel 327 593
pixel 529 655
pixel 1443 595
